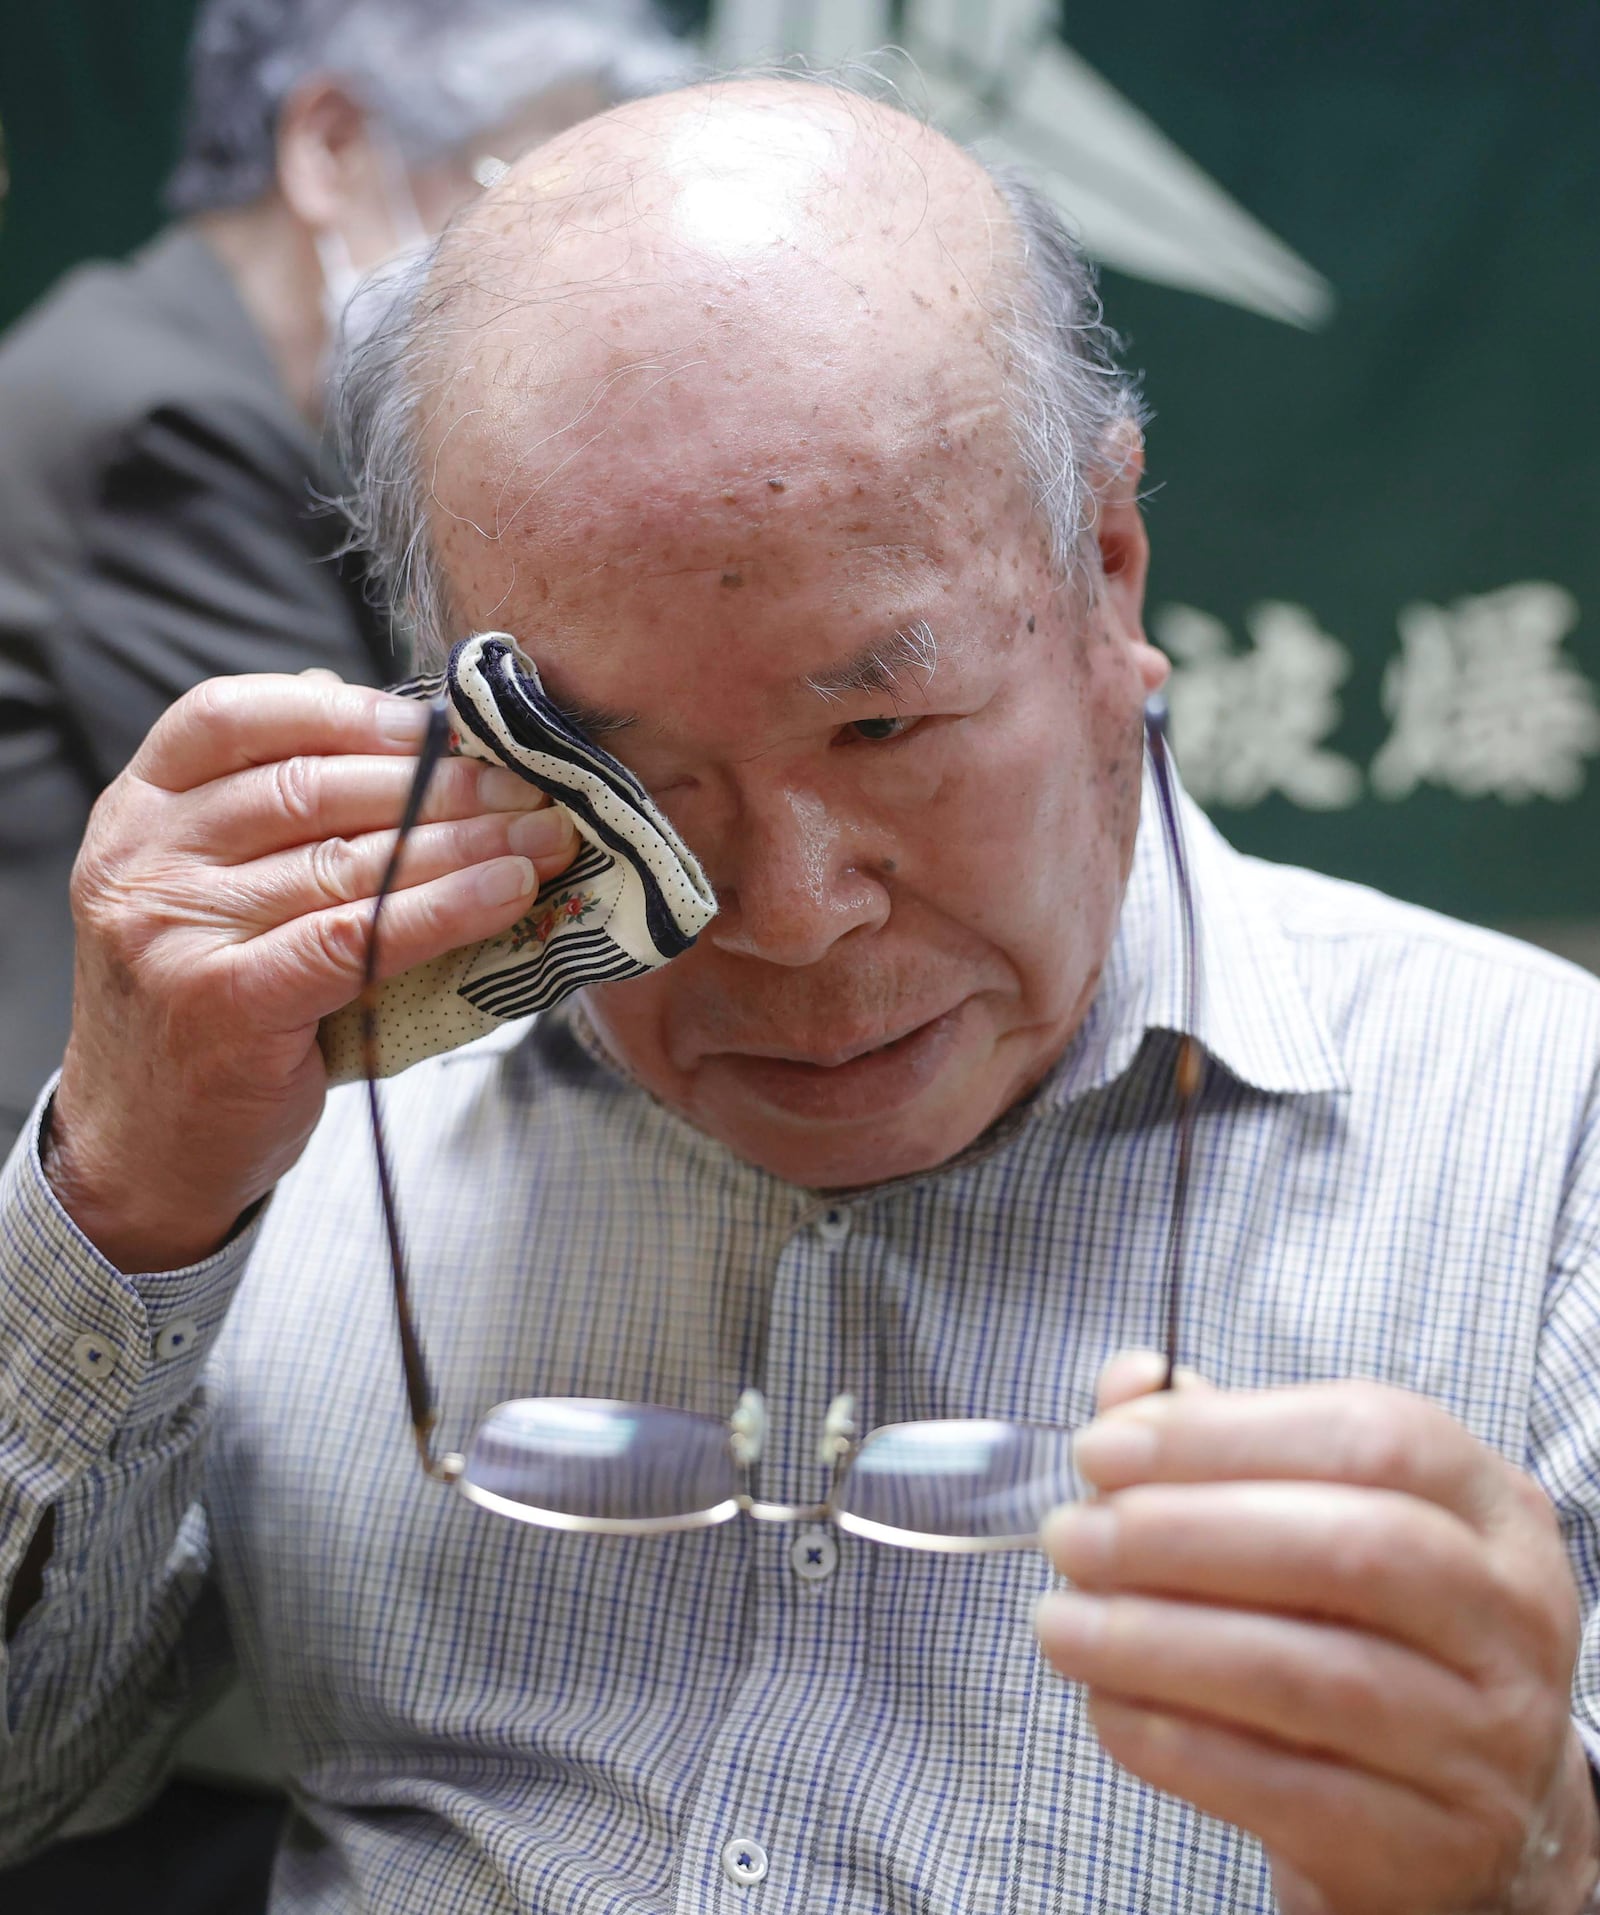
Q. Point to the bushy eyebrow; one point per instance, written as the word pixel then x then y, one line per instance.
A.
pixel 881 666
pixel 594 721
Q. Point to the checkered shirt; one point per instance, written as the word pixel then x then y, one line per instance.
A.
pixel 1397 1175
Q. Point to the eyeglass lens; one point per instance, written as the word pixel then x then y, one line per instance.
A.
pixel 593 1462
pixel 611 1462
pixel 966 1477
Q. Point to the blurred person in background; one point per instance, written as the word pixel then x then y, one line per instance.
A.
pixel 160 419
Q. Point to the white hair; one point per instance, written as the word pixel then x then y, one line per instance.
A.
pixel 1074 411
pixel 434 73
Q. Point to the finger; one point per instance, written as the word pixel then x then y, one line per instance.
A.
pixel 1335 1432
pixel 253 898
pixel 1360 1839
pixel 1133 1373
pixel 1372 1558
pixel 303 800
pixel 229 724
pixel 1313 1686
pixel 1293 1893
pixel 322 674
pixel 313 965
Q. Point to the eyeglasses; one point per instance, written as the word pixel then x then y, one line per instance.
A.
pixel 605 1468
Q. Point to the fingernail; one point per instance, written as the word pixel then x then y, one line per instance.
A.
pixel 1116 1447
pixel 541 834
pixel 502 790
pixel 1080 1540
pixel 506 879
pixel 402 721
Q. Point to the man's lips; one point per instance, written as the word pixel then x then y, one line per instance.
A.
pixel 852 1083
pixel 830 1058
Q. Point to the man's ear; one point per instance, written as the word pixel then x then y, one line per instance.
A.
pixel 1124 545
pixel 324 157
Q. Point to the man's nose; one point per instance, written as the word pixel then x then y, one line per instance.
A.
pixel 790 885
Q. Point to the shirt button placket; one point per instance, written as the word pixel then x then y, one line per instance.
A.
pixel 778 1685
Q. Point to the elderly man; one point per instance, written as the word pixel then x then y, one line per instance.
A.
pixel 782 437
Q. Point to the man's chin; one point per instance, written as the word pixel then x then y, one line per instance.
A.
pixel 855 1170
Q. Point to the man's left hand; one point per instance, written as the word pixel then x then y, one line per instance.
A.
pixel 1331 1616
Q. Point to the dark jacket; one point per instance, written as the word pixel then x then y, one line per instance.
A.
pixel 157 527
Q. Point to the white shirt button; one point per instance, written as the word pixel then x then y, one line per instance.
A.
pixel 177 1339
pixel 744 1863
pixel 833 1226
pixel 94 1357
pixel 813 1554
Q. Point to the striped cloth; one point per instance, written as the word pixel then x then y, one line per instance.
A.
pixel 633 899
pixel 1397 1175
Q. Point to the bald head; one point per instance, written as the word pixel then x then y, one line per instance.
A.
pixel 713 284
pixel 775 207
pixel 718 283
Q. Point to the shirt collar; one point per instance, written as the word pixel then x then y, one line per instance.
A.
pixel 1254 1017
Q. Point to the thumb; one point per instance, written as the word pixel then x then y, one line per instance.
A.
pixel 1135 1373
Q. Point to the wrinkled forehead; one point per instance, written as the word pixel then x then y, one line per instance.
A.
pixel 742 343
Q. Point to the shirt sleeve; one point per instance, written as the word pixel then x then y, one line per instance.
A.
pixel 105 1399
pixel 1564 1427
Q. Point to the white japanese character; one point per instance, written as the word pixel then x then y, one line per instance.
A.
pixel 1246 723
pixel 1484 702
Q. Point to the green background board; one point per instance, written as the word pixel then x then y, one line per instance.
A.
pixel 89 93
pixel 1440 165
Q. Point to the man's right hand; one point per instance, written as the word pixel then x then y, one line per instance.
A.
pixel 223 899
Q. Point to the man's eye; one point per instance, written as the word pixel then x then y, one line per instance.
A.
pixel 875 729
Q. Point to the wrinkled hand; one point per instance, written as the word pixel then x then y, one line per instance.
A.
pixel 223 898
pixel 1332 1617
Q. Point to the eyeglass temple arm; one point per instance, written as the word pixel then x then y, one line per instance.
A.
pixel 1190 1061
pixel 419 1389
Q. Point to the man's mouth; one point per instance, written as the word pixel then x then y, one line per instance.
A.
pixel 836 1058
pixel 851 1083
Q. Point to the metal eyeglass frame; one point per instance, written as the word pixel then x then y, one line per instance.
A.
pixel 839 1447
